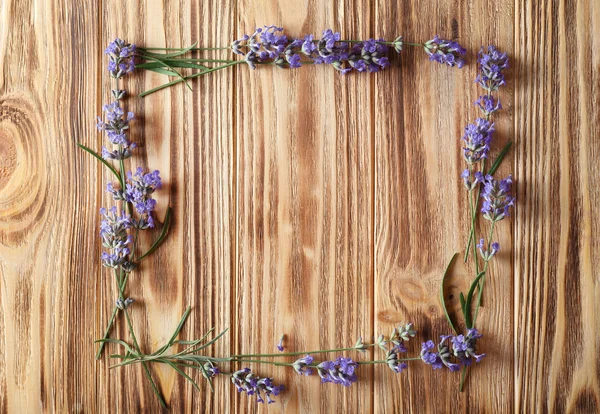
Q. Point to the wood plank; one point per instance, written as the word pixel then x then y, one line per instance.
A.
pixel 304 206
pixel 187 136
pixel 557 257
pixel 48 203
pixel 421 213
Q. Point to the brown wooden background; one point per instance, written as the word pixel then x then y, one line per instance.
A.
pixel 306 203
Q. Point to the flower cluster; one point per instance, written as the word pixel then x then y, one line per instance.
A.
pixel 246 381
pixel 477 139
pixel 497 197
pixel 121 58
pixel 116 126
pixel 445 52
pixel 491 65
pixel 114 235
pixel 463 349
pixel 270 45
pixel 340 371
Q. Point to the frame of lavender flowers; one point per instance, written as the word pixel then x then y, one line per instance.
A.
pixel 134 206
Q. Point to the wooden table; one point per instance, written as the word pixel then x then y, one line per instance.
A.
pixel 307 203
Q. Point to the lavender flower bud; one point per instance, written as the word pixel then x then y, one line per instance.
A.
pixel 491 65
pixel 210 370
pixel 245 381
pixel 445 355
pixel 488 105
pixel 464 347
pixel 381 342
pixel 445 52
pixel 477 139
pixel 140 187
pixel 340 371
pixel 302 365
pixel 121 58
pixel 398 44
pixel 124 304
pixel 392 361
pixel 118 94
pixel 402 333
pixel 360 346
pixel 497 198
pixel 280 343
pixel 485 255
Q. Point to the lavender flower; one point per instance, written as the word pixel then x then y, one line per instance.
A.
pixel 121 58
pixel 302 365
pixel 340 371
pixel 487 255
pixel 464 347
pixel 210 370
pixel 488 105
pixel 251 384
pixel 140 187
pixel 115 127
pixel 444 354
pixel 429 356
pixel 445 52
pixel 497 197
pixel 491 65
pixel 124 304
pixel 280 343
pixel 401 334
pixel 113 228
pixel 477 139
pixel 392 361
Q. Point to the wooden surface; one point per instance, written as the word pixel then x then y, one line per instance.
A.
pixel 305 203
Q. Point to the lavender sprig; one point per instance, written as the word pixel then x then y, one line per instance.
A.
pixel 269 45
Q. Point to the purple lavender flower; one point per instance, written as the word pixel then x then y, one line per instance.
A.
pixel 444 354
pixel 121 58
pixel 293 60
pixel 115 126
pixel 491 65
pixel 140 187
pixel 393 362
pixel 251 384
pixel 210 370
pixel 497 197
pixel 469 180
pixel 477 138
pixel 445 52
pixel 464 347
pixel 123 303
pixel 488 105
pixel 339 371
pixel 113 228
pixel 487 255
pixel 280 343
pixel 429 356
pixel 308 46
pixel 302 365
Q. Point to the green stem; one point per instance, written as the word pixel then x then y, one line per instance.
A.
pixel 194 75
pixel 191 49
pixel 146 370
pixel 285 354
pixel 482 281
pixel 473 217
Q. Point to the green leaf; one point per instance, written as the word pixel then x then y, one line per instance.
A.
pixel 442 294
pixel 462 305
pixel 166 55
pixel 118 341
pixel 470 299
pixel 163 71
pixel 183 374
pixel 177 330
pixel 172 63
pixel 102 160
pixel 179 75
pixel 499 158
pixel 209 343
pixel 161 237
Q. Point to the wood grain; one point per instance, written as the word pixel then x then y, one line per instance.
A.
pixel 305 203
pixel 304 207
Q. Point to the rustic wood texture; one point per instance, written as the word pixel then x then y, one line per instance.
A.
pixel 305 203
